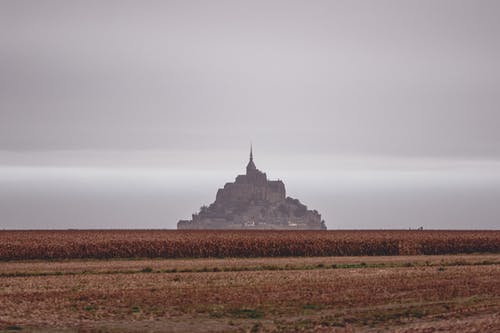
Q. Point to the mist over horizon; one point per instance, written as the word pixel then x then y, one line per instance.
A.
pixel 350 193
pixel 132 114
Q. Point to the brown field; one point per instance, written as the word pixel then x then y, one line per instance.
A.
pixel 103 281
pixel 325 294
pixel 99 244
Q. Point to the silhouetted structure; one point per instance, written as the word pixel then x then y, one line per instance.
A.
pixel 254 202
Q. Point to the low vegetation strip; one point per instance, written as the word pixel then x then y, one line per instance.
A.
pixel 99 244
pixel 330 264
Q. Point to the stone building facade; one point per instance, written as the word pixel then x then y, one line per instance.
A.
pixel 254 202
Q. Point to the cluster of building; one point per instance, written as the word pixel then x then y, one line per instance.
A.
pixel 254 202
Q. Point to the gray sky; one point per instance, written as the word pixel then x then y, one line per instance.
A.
pixel 337 96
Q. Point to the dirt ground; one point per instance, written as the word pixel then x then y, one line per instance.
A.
pixel 323 294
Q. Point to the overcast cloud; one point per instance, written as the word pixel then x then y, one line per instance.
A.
pixel 379 114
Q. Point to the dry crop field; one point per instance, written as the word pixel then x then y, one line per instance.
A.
pixel 403 291
pixel 104 244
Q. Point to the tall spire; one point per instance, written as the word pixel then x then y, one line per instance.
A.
pixel 251 166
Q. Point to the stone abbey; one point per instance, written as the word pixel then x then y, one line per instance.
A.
pixel 254 202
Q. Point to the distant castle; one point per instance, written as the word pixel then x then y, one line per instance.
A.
pixel 254 202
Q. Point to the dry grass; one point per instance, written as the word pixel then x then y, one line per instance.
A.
pixel 411 293
pixel 121 266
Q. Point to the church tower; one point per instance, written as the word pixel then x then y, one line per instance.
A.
pixel 251 168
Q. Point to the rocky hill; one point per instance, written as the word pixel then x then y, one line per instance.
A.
pixel 254 202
